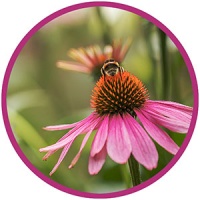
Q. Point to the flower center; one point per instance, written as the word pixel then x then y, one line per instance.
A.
pixel 118 94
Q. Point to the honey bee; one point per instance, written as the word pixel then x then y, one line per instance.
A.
pixel 111 68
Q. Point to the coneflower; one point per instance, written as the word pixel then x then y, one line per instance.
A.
pixel 126 123
pixel 90 59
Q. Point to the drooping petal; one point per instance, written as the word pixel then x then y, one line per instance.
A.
pixel 97 52
pixel 143 148
pixel 80 128
pixel 107 51
pixel 80 55
pixel 120 49
pixel 73 66
pixel 116 50
pixel 160 136
pixel 174 116
pixel 167 122
pixel 118 142
pixel 62 155
pixel 74 161
pixel 175 111
pixel 100 137
pixel 89 53
pixel 67 126
pixel 59 127
pixel 175 105
pixel 50 152
pixel 125 48
pixel 96 162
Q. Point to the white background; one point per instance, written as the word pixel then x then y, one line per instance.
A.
pixel 17 18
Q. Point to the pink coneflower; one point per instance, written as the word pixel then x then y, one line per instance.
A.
pixel 91 59
pixel 118 101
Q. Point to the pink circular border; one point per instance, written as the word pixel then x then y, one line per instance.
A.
pixel 50 18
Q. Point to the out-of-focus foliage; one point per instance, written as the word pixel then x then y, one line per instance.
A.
pixel 40 94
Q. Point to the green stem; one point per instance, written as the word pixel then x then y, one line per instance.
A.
pixel 164 64
pixel 134 170
pixel 125 175
pixel 147 30
pixel 104 27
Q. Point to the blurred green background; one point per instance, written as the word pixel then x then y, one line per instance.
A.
pixel 40 94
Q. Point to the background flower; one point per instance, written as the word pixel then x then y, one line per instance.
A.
pixel 91 59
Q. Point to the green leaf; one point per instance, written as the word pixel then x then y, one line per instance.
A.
pixel 23 130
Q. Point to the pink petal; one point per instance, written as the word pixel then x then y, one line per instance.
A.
pixel 80 56
pixel 124 49
pixel 83 126
pixel 107 52
pixel 160 136
pixel 74 161
pixel 116 50
pixel 67 126
pixel 173 116
pixel 120 49
pixel 175 111
pixel 170 123
pixel 59 127
pixel 97 54
pixel 100 137
pixel 96 162
pixel 118 143
pixel 143 148
pixel 178 106
pixel 49 153
pixel 89 53
pixel 62 155
pixel 71 135
pixel 73 66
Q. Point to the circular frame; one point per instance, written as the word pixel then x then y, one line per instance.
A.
pixel 67 10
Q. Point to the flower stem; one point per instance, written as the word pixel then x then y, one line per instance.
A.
pixel 164 64
pixel 126 176
pixel 134 171
pixel 148 28
pixel 104 27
